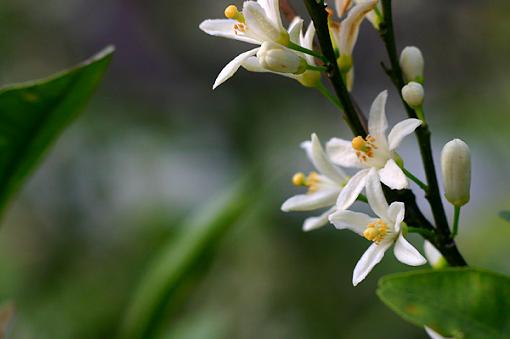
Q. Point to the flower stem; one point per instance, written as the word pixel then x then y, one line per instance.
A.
pixel 316 68
pixel 302 49
pixel 317 11
pixel 425 232
pixel 418 182
pixel 444 241
pixel 326 93
pixel 456 217
pixel 362 198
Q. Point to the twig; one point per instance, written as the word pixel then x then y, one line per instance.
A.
pixel 444 241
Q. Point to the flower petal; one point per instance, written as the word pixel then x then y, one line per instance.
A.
pixel 393 176
pixel 341 153
pixel 375 195
pixel 349 27
pixel 272 9
pixel 307 42
pixel 321 161
pixel 229 70
pixel 259 23
pixel 356 222
pixel 396 214
pixel 432 254
pixel 313 223
pixel 352 189
pixel 310 201
pixel 342 6
pixel 295 28
pixel 401 130
pixel 406 253
pixel 224 28
pixel 372 256
pixel 377 122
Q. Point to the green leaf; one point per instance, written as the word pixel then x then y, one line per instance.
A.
pixel 33 114
pixel 505 215
pixel 459 302
pixel 166 284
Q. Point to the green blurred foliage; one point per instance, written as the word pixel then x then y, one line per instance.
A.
pixel 455 302
pixel 156 143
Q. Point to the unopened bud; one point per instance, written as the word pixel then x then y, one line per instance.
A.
pixel 411 62
pixel 277 58
pixel 456 169
pixel 434 257
pixel 413 94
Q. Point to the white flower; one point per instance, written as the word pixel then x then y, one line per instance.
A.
pixel 323 187
pixel 308 78
pixel 258 22
pixel 383 231
pixel 345 33
pixel 456 170
pixel 374 16
pixel 376 151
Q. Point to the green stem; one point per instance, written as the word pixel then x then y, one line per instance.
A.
pixel 418 182
pixel 444 241
pixel 317 11
pixel 316 68
pixel 302 49
pixel 456 217
pixel 327 94
pixel 422 231
pixel 362 198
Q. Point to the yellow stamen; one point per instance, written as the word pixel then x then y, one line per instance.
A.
pixel 298 179
pixel 359 143
pixel 311 181
pixel 231 12
pixel 376 231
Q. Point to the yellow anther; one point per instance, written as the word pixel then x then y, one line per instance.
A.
pixel 298 179
pixel 370 233
pixel 231 12
pixel 359 143
pixel 376 231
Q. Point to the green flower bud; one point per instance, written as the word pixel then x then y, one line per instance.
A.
pixel 456 169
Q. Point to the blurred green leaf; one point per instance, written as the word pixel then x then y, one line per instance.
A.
pixel 505 215
pixel 459 302
pixel 33 114
pixel 166 282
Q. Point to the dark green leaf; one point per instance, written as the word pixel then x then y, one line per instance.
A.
pixel 33 114
pixel 459 302
pixel 505 215
pixel 182 259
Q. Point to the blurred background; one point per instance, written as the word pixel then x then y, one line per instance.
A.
pixel 156 143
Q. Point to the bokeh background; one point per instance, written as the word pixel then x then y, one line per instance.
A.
pixel 156 143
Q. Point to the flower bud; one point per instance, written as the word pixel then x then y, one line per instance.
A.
pixel 411 62
pixel 277 58
pixel 456 169
pixel 434 257
pixel 413 94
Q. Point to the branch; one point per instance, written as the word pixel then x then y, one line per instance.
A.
pixel 444 240
pixel 320 20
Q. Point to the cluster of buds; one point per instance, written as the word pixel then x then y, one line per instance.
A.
pixel 412 64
